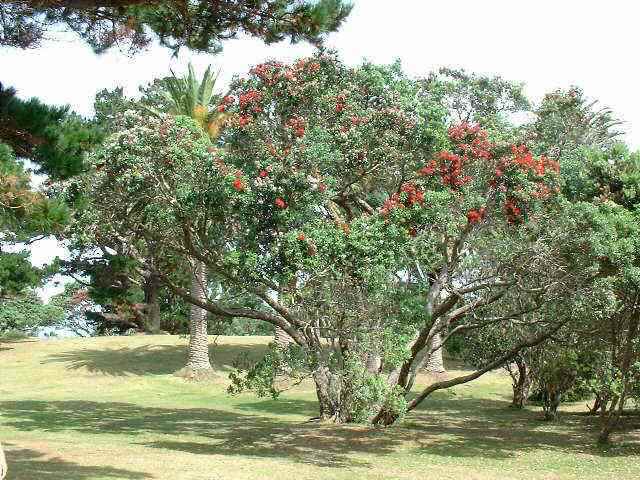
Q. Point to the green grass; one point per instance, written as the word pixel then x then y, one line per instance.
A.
pixel 109 408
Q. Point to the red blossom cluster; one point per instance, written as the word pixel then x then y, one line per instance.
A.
pixel 251 99
pixel 298 126
pixel 451 170
pixel 280 203
pixel 409 195
pixel 523 158
pixel 268 72
pixel 471 143
pixel 476 215
pixel 471 140
pixel 244 120
pixel 263 174
pixel 313 67
pixel 226 101
pixel 341 103
pixel 301 237
pixel 428 169
pixel 512 211
pixel 238 184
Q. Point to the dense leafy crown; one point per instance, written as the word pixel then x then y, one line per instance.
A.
pixel 199 25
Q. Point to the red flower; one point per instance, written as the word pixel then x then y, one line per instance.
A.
pixel 300 132
pixel 280 203
pixel 222 108
pixel 429 169
pixel 252 96
pixel 339 107
pixel 475 216
pixel 244 120
pixel 512 211
pixel 322 187
pixel 238 185
pixel 263 173
pixel 301 237
pixel 228 100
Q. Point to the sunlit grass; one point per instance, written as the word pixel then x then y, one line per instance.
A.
pixel 109 408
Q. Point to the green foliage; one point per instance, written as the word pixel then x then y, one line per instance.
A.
pixel 261 377
pixel 199 25
pixel 567 120
pixel 26 312
pixel 51 137
pixel 17 273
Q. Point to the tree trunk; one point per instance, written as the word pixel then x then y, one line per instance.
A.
pixel 3 464
pixel 550 404
pixel 374 363
pixel 435 363
pixel 198 364
pixel 329 393
pixel 522 385
pixel 608 419
pixel 282 338
pixel 152 304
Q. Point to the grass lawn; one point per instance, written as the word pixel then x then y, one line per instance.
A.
pixel 109 408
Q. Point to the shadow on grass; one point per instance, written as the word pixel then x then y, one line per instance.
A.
pixel 26 463
pixel 281 406
pixel 208 431
pixel 7 343
pixel 451 428
pixel 149 359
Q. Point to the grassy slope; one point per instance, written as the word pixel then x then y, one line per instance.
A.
pixel 108 408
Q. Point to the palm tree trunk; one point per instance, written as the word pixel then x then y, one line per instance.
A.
pixel 198 363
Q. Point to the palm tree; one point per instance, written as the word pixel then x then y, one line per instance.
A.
pixel 195 98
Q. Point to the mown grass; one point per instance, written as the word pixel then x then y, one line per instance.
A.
pixel 109 408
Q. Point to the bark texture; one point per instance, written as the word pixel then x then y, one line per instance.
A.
pixel 198 363
pixel 152 304
pixel 435 363
pixel 329 393
pixel 521 384
pixel 282 338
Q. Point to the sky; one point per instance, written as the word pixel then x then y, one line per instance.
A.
pixel 545 44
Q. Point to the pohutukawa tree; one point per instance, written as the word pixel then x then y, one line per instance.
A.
pixel 343 204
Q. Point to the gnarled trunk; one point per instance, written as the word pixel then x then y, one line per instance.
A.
pixel 550 403
pixel 522 384
pixel 282 338
pixel 329 393
pixel 435 363
pixel 198 364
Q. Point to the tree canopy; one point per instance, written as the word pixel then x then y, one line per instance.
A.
pixel 202 25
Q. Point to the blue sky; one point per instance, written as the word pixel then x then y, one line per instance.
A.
pixel 546 44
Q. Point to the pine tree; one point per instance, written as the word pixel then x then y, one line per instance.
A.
pixel 200 25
